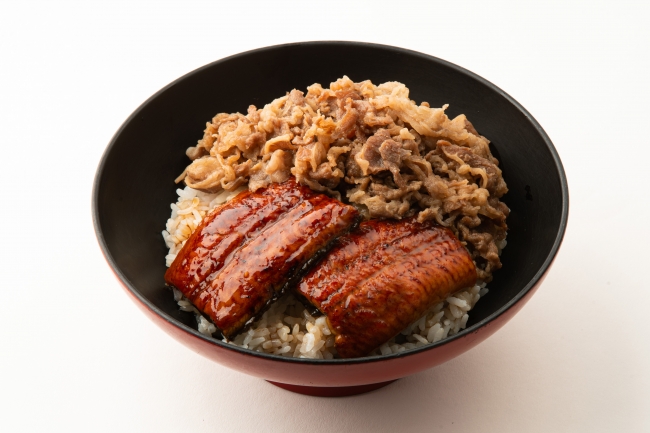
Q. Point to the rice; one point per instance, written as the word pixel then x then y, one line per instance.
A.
pixel 187 213
pixel 287 328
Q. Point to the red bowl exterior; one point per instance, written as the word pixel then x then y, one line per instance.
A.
pixel 353 374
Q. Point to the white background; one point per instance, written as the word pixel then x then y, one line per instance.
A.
pixel 77 355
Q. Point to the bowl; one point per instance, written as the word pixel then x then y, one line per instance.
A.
pixel 134 187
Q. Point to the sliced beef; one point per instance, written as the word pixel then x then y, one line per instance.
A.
pixel 491 178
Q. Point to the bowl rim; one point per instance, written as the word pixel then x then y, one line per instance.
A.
pixel 376 358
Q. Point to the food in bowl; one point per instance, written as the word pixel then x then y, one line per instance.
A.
pixel 368 146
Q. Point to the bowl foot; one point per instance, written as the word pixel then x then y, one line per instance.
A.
pixel 334 391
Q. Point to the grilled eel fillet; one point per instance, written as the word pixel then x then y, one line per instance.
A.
pixel 242 255
pixel 382 277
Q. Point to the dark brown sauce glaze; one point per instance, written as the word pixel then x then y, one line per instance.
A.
pixel 380 278
pixel 243 254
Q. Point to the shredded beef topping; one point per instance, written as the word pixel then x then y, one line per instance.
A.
pixel 370 146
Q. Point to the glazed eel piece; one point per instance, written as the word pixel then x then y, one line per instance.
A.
pixel 244 253
pixel 382 277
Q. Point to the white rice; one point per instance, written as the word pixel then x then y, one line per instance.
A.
pixel 287 328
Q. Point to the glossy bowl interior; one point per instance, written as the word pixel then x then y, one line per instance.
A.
pixel 134 187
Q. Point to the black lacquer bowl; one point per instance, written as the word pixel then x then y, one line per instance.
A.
pixel 134 187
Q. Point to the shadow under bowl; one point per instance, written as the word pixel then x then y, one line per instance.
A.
pixel 134 187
